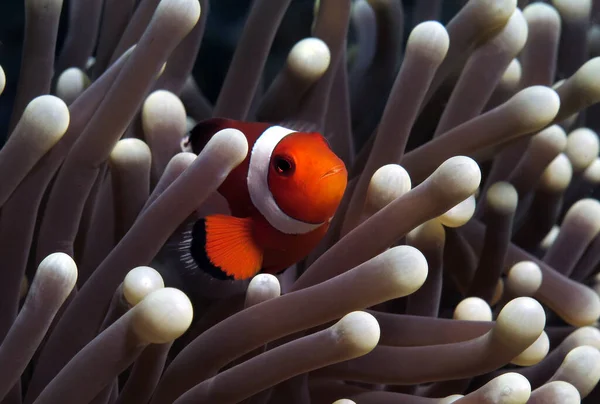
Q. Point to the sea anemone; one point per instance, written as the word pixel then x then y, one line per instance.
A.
pixel 462 263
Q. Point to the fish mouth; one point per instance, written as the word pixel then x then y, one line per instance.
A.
pixel 335 170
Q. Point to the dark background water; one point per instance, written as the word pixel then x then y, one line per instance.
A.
pixel 224 25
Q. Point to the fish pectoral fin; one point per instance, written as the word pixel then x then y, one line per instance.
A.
pixel 229 247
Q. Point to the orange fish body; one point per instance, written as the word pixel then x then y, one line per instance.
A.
pixel 281 197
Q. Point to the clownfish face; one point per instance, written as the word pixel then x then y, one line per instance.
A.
pixel 307 180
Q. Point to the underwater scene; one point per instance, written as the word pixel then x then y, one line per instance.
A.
pixel 299 201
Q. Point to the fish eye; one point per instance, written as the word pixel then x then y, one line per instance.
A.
pixel 283 165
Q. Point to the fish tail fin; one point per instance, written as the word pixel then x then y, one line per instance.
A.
pixel 224 247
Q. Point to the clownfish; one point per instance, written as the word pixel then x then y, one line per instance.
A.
pixel 282 198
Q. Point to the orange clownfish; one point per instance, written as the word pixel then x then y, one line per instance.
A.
pixel 281 197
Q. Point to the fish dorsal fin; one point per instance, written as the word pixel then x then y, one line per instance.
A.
pixel 308 127
pixel 301 126
pixel 224 246
pixel 205 130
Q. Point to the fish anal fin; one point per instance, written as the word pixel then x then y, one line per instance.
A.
pixel 228 245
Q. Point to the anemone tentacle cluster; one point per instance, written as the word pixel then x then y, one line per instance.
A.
pixel 463 264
